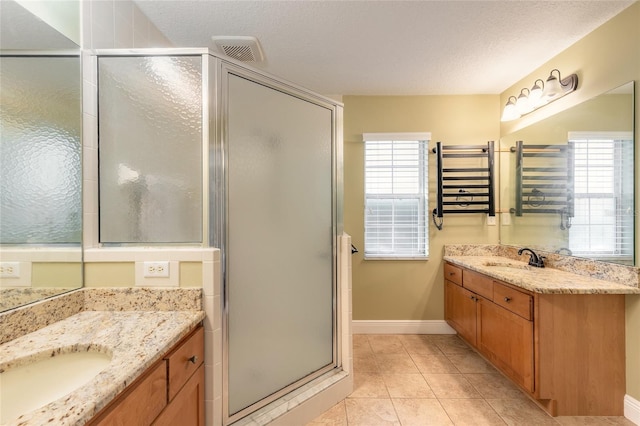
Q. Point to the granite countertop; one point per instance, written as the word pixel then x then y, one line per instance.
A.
pixel 134 339
pixel 539 280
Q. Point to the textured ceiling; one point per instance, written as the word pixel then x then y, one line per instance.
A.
pixel 391 47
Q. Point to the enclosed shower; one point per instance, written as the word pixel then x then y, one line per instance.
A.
pixel 205 151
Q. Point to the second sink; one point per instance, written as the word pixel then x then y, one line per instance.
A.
pixel 509 265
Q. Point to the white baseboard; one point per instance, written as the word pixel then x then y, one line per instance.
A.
pixel 401 327
pixel 632 409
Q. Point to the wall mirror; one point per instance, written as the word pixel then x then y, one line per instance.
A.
pixel 40 152
pixel 567 182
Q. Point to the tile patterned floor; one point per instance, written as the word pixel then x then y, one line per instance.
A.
pixel 412 380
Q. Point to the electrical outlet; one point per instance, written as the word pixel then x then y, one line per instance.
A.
pixel 156 270
pixel 491 220
pixel 9 269
pixel 506 218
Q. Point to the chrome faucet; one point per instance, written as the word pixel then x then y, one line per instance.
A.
pixel 534 259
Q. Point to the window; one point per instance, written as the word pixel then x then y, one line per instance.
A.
pixel 603 222
pixel 395 222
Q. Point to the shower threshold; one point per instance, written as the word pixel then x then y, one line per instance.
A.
pixel 281 406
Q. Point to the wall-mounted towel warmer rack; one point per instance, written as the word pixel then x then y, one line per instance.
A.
pixel 464 189
pixel 545 180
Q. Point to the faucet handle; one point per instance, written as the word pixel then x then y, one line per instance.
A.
pixel 540 263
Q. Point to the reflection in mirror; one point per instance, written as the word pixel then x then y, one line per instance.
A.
pixel 566 182
pixel 40 159
pixel 39 25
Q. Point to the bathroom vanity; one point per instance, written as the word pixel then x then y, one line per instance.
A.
pixel 153 342
pixel 170 392
pixel 558 335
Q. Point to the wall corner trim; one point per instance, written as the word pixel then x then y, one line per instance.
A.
pixel 632 409
pixel 401 327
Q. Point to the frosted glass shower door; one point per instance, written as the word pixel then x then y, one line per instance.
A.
pixel 280 260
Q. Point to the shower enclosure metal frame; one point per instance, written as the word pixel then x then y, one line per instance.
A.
pixel 219 208
pixel 215 196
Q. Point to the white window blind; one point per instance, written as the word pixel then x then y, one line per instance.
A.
pixel 603 180
pixel 396 220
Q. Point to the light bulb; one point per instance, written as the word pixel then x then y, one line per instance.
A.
pixel 522 104
pixel 510 111
pixel 552 87
pixel 535 94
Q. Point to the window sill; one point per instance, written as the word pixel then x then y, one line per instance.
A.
pixel 394 258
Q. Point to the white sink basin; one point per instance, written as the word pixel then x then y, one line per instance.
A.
pixel 508 265
pixel 38 383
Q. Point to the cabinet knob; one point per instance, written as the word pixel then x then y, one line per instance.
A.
pixel 507 299
pixel 193 359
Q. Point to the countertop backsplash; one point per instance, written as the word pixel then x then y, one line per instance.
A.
pixel 29 318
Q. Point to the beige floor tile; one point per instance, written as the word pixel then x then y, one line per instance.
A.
pixel 419 344
pixel 335 416
pixel 471 412
pixel 420 412
pixel 412 338
pixel 450 386
pixel 521 412
pixel 371 412
pixel 457 387
pixel 594 421
pixel 407 386
pixel 365 363
pixel 471 362
pixel 396 363
pixel 450 344
pixel 494 386
pixel 386 344
pixel 434 364
pixel 368 385
pixel 361 344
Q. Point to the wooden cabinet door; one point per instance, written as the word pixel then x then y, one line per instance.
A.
pixel 140 403
pixel 506 339
pixel 187 408
pixel 460 311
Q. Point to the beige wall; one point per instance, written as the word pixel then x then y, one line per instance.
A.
pixel 123 274
pixel 410 290
pixel 56 274
pixel 606 58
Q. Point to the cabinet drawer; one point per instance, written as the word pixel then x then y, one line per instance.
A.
pixel 453 273
pixel 517 302
pixel 185 360
pixel 478 283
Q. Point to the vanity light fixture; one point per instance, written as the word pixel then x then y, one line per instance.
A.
pixel 539 95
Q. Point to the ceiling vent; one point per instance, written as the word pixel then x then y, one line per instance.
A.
pixel 241 48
